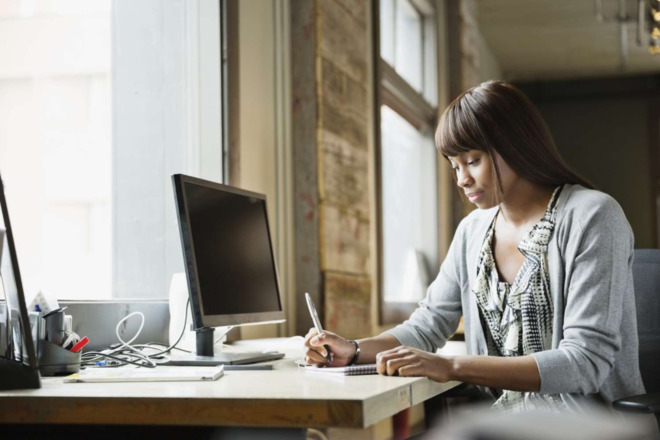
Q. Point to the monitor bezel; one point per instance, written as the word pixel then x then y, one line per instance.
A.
pixel 13 256
pixel 200 318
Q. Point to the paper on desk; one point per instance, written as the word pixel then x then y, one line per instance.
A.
pixel 158 374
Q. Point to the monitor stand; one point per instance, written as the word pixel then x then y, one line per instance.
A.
pixel 206 357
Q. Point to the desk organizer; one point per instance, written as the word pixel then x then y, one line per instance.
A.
pixel 55 360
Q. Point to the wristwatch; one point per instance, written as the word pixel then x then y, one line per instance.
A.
pixel 356 356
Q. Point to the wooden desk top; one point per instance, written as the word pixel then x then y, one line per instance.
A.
pixel 287 396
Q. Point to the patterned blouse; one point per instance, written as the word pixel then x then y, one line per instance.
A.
pixel 517 317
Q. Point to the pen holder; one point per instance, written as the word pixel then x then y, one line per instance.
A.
pixel 55 360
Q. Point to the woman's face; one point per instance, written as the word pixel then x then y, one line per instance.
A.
pixel 475 176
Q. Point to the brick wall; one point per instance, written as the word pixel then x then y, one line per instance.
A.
pixel 343 134
pixel 333 188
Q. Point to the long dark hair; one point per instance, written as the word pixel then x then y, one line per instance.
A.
pixel 498 117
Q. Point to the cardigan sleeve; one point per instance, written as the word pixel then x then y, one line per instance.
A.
pixel 598 274
pixel 437 316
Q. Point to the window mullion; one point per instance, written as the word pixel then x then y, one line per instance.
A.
pixel 397 94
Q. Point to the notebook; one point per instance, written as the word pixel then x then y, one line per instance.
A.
pixel 158 374
pixel 353 370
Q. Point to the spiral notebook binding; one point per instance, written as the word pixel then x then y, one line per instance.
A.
pixel 353 370
pixel 356 370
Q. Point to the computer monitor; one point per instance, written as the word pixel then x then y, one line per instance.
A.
pixel 229 260
pixel 18 360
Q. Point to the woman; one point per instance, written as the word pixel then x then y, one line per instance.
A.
pixel 541 273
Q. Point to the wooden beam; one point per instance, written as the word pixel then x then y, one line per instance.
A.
pixel 231 104
pixel 305 156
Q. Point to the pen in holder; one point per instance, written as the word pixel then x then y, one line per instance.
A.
pixel 55 327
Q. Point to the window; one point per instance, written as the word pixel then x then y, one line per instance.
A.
pixel 100 102
pixel 407 96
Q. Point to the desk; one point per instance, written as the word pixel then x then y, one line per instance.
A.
pixel 284 397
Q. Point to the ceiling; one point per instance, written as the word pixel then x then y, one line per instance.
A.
pixel 562 39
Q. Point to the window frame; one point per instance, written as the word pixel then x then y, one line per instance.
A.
pixel 395 92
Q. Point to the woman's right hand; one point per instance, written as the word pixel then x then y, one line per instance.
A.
pixel 341 350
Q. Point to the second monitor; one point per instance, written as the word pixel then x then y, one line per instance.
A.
pixel 230 264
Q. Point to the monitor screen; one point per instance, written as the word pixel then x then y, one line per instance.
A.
pixel 228 254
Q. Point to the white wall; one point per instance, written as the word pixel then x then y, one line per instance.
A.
pixel 264 135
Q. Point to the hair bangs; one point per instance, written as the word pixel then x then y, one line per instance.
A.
pixel 458 131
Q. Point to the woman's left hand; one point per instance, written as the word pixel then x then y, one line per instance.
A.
pixel 408 361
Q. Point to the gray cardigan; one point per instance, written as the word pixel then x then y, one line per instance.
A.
pixel 594 344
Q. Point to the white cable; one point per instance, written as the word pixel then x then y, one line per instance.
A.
pixel 230 328
pixel 127 344
pixel 124 344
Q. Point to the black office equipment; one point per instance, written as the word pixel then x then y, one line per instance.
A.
pixel 646 277
pixel 18 361
pixel 230 265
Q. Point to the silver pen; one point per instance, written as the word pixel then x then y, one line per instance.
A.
pixel 317 323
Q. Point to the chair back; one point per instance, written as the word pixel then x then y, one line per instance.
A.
pixel 646 278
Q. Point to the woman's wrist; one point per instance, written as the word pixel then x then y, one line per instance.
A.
pixel 370 347
pixel 519 373
pixel 453 367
